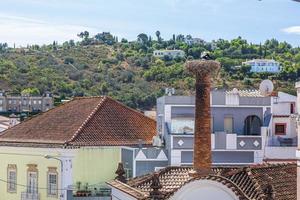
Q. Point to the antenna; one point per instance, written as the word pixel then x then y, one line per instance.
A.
pixel 266 87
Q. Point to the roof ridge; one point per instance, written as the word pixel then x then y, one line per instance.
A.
pixel 90 97
pixel 127 107
pixel 104 98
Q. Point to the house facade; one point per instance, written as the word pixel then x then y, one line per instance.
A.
pixel 246 127
pixel 263 65
pixel 25 103
pixel 70 150
pixel 169 53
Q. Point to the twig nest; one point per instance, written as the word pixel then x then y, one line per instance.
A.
pixel 203 67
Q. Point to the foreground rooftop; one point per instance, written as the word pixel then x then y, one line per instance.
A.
pixel 252 182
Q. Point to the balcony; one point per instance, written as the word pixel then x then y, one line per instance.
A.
pixel 277 141
pixel 30 196
pixel 182 126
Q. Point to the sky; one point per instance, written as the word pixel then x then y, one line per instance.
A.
pixel 25 22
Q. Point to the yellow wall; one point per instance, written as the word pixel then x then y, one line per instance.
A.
pixel 90 165
pixel 21 158
pixel 95 165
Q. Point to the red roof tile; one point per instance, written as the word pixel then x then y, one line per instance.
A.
pixel 250 182
pixel 85 121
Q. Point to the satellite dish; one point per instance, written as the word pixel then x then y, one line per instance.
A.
pixel 266 87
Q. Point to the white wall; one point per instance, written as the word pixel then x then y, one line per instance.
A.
pixel 206 190
pixel 280 152
pixel 119 195
pixel 290 126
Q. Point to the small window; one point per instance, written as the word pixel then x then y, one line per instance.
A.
pixel 12 178
pixel 52 182
pixel 280 129
pixel 292 108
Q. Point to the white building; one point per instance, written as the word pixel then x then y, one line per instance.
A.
pixel 263 65
pixel 298 130
pixel 8 122
pixel 170 53
pixel 247 127
pixel 191 41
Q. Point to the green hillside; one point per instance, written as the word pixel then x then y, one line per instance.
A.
pixel 127 71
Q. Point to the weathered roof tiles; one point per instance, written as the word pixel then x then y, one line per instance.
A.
pixel 84 121
pixel 252 182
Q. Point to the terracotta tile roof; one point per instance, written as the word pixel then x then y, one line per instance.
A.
pixel 84 121
pixel 247 183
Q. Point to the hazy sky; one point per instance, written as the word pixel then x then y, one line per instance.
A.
pixel 42 21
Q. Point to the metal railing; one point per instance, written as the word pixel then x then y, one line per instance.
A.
pixel 30 196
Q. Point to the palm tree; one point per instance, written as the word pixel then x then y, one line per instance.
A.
pixel 157 33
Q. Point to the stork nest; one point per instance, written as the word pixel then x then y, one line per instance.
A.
pixel 203 67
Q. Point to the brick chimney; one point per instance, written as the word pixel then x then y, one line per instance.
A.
pixel 203 70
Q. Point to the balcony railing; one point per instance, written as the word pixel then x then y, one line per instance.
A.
pixel 30 196
pixel 277 141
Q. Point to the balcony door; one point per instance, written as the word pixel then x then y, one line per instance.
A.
pixel 32 184
pixel 228 124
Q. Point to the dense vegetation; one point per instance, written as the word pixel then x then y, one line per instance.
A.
pixel 127 71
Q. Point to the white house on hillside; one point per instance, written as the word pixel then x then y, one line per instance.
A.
pixel 170 53
pixel 263 65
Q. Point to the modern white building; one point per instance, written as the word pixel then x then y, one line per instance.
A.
pixel 247 127
pixel 263 65
pixel 170 53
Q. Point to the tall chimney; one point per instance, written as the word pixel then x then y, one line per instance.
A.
pixel 203 70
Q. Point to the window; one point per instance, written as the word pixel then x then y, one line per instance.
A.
pixel 52 182
pixel 292 108
pixel 228 124
pixel 280 129
pixel 32 179
pixel 12 178
pixel 40 102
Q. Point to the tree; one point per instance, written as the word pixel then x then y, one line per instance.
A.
pixel 106 38
pixel 142 38
pixel 180 38
pixel 84 35
pixel 31 91
pixel 157 33
pixel 3 47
